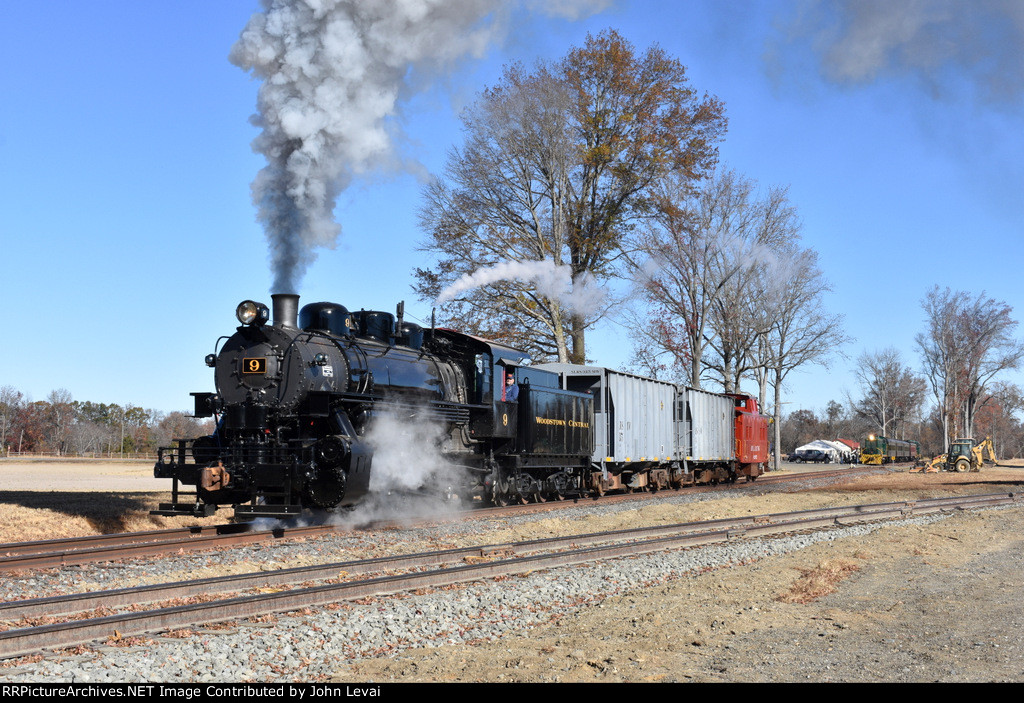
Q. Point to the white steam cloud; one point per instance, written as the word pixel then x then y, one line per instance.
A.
pixel 407 453
pixel 410 476
pixel 550 279
pixel 334 74
pixel 980 42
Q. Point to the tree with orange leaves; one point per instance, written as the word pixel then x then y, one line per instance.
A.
pixel 559 164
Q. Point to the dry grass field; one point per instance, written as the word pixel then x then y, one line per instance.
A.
pixel 47 499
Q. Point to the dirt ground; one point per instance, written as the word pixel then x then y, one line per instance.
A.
pixel 938 602
pixel 915 604
pixel 935 602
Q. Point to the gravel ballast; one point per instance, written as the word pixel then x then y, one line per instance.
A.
pixel 475 632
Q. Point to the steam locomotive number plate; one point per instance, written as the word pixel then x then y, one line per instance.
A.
pixel 254 365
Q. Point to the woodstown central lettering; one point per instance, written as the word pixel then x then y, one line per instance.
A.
pixel 562 423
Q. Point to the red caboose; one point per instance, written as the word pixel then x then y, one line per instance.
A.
pixel 751 433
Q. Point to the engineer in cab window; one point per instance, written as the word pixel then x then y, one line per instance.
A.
pixel 510 392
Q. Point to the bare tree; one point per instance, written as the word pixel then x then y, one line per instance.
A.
pixel 179 425
pixel 797 428
pixel 766 255
pixel 686 261
pixel 91 437
pixel 996 417
pixel 892 392
pixel 60 417
pixel 968 342
pixel 11 401
pixel 558 165
pixel 730 290
pixel 802 332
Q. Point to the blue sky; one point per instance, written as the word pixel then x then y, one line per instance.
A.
pixel 127 232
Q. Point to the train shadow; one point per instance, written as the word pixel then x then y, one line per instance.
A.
pixel 105 512
pixel 991 483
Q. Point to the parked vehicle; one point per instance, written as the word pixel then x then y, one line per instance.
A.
pixel 809 456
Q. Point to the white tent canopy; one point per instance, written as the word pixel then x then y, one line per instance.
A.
pixel 836 451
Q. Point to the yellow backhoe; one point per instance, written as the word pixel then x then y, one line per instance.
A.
pixel 925 466
pixel 963 455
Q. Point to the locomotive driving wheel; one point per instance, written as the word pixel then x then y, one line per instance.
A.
pixel 500 494
pixel 557 485
pixel 527 490
pixel 507 493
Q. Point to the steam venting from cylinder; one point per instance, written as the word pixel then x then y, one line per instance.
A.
pixel 335 74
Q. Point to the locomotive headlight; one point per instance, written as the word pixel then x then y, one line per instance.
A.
pixel 249 312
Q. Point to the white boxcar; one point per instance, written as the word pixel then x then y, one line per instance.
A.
pixel 634 418
pixel 706 426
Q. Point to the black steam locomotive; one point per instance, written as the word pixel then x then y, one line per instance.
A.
pixel 297 400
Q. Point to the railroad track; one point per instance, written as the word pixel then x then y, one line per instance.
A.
pixel 157 607
pixel 18 556
pixel 85 550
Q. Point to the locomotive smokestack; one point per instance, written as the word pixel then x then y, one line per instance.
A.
pixel 286 310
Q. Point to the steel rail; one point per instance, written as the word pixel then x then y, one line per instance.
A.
pixel 150 536
pixel 44 554
pixel 80 602
pixel 113 551
pixel 19 642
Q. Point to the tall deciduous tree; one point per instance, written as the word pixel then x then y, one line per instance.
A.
pixel 731 292
pixel 764 252
pixel 996 416
pixel 11 401
pixel 802 331
pixel 686 262
pixel 893 393
pixel 559 163
pixel 968 342
pixel 60 416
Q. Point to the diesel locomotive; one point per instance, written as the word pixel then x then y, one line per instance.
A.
pixel 878 450
pixel 298 400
